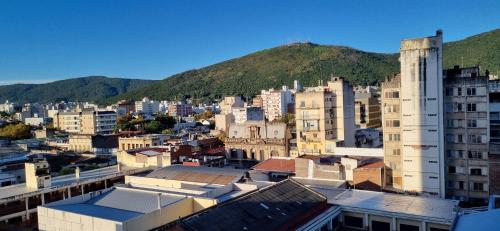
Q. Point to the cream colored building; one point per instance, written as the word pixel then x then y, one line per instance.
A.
pixel 325 117
pixel 145 157
pixel 421 123
pixel 86 122
pixel 37 174
pixel 257 140
pixel 275 102
pixel 229 102
pixel 141 141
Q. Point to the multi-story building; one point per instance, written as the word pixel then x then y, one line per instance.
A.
pixel 124 107
pixel 494 153
pixel 257 141
pixel 243 114
pixel 367 108
pixel 86 122
pixel 325 117
pixel 147 107
pixel 467 134
pixel 141 141
pixel 391 106
pixel 180 110
pixel 421 132
pixel 275 102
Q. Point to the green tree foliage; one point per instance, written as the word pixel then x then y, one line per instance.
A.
pixel 16 131
pixel 153 127
pixel 66 171
pixel 165 120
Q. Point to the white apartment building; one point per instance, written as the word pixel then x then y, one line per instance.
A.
pixel 243 114
pixel 275 102
pixel 422 135
pixel 146 106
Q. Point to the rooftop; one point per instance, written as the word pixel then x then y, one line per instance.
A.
pixel 284 205
pixel 59 181
pixel 200 174
pixel 392 204
pixel 276 165
pixel 481 221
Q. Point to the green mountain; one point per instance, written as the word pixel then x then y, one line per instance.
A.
pixel 481 50
pixel 308 63
pixel 92 89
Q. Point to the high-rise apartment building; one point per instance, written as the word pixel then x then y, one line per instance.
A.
pixel 180 110
pixel 86 122
pixel 147 107
pixel 325 117
pixel 275 102
pixel 421 123
pixel 494 153
pixel 466 134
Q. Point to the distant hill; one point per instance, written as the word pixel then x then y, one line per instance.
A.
pixel 247 75
pixel 92 89
pixel 308 63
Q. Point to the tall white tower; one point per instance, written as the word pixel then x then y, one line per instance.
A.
pixel 422 135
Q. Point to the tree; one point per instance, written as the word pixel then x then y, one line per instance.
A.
pixel 288 118
pixel 165 120
pixel 16 131
pixel 124 123
pixel 153 127
pixel 204 115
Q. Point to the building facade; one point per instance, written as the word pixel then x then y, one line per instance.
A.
pixel 324 117
pixel 275 102
pixel 494 153
pixel 180 110
pixel 147 107
pixel 257 141
pixel 467 134
pixel 242 114
pixel 367 108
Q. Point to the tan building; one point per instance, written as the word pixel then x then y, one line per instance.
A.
pixel 257 141
pixel 367 108
pixel 391 106
pixel 325 117
pixel 86 122
pixel 97 144
pixel 144 157
pixel 141 141
pixel 226 105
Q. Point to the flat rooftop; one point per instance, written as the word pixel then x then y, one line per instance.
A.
pixel 395 205
pixel 480 221
pixel 59 181
pixel 120 204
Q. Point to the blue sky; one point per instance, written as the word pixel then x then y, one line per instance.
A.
pixel 42 41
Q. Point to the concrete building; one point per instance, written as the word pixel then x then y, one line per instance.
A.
pixel 141 141
pixel 37 121
pixel 257 141
pixel 467 134
pixel 145 203
pixel 494 153
pixel 180 110
pixel 325 117
pixel 86 121
pixel 242 114
pixel 226 106
pixel 37 174
pixel 276 102
pixel 417 151
pixel 147 106
pixel 367 108
pixel 145 157
pixel 97 144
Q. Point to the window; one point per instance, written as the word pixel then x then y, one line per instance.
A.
pixel 457 107
pixel 396 152
pixel 452 169
pixel 392 94
pixel 475 139
pixel 406 227
pixel 472 123
pixel 459 91
pixel 433 177
pixel 475 155
pixel 476 186
pixel 475 171
pixel 471 91
pixel 460 139
pixel 353 221
pixel 379 225
pixel 392 123
pixel 471 107
pixel 394 137
pixel 460 185
pixel 448 91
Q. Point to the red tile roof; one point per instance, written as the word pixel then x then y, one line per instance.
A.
pixel 276 165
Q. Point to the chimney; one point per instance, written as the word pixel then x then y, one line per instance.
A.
pixel 77 172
